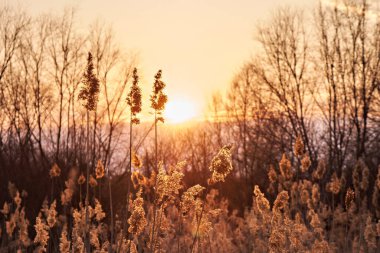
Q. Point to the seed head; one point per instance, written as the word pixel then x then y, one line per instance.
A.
pixel 305 163
pixel 55 171
pixel 281 201
pixel 17 199
pixel 370 234
pixel 68 193
pixel 261 202
pixel 52 215
pixel 320 171
pixel 158 98
pixel 334 185
pixel 93 183
pixel 350 196
pixel 10 225
pixel 99 171
pixel 136 162
pixel 169 184
pixel 81 179
pixel 365 179
pixel 90 90
pixel 315 194
pixel 42 234
pixel 286 167
pixel 298 146
pixel 137 220
pixel 134 98
pixel 99 214
pixel 272 175
pixel 189 199
pixel 64 244
pixel 5 209
pixel 138 179
pixel 221 165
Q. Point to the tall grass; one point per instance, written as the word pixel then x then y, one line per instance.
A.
pixel 297 212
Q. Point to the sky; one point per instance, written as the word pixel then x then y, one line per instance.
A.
pixel 199 44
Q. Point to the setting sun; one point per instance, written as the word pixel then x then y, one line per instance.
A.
pixel 179 111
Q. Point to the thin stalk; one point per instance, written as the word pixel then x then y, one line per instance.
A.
pixel 196 232
pixel 346 239
pixel 80 194
pixel 332 216
pixel 87 187
pixel 159 224
pixel 155 141
pixel 129 170
pixel 179 232
pixel 360 232
pixel 52 190
pixel 209 243
pixel 111 210
pixel 100 190
pixel 360 227
pixel 200 218
pixel 94 141
pixel 156 171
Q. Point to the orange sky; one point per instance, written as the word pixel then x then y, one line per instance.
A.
pixel 199 44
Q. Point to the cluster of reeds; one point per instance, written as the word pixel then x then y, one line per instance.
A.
pixel 81 225
pixel 302 209
pixel 149 224
pixel 302 217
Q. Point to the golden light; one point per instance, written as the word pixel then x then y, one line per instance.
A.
pixel 179 111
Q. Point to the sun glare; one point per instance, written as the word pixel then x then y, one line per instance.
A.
pixel 180 111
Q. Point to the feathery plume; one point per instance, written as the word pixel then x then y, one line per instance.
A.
pixel 261 202
pixel 17 199
pixel 281 201
pixel 365 179
pixel 52 215
pixel 90 90
pixel 169 184
pixel 334 185
pixel 350 196
pixel 42 234
pixel 134 98
pixel 305 163
pixel 136 162
pixel 315 194
pixel 221 165
pixel 137 220
pixel 320 171
pixel 64 242
pixel 55 171
pixel 99 171
pixel 99 214
pixel 5 209
pixel 158 98
pixel 272 175
pixel 298 146
pixel 67 194
pixel 286 167
pixel 93 183
pixel 189 199
pixel 138 179
pixel 370 234
pixel 81 179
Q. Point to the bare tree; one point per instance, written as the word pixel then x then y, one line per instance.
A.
pixel 65 50
pixel 284 68
pixel 350 55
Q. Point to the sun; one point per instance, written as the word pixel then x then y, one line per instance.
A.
pixel 180 111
